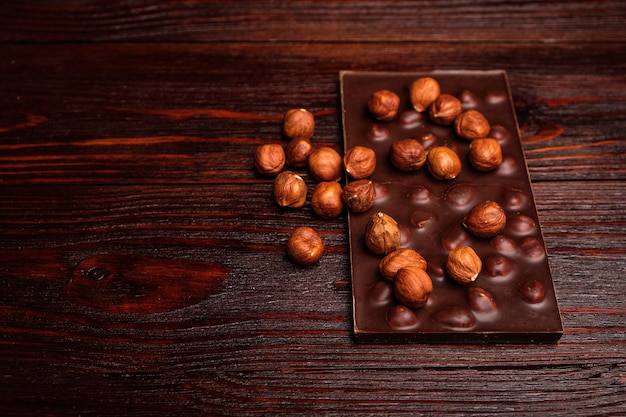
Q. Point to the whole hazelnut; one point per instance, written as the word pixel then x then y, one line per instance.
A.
pixel 443 163
pixel 383 105
pixel 398 259
pixel 382 234
pixel 269 159
pixel 327 199
pixel 445 109
pixel 407 154
pixel 359 195
pixel 359 162
pixel 463 265
pixel 471 125
pixel 290 190
pixel 423 92
pixel 305 246
pixel 298 151
pixel 298 123
pixel 485 154
pixel 485 219
pixel 325 164
pixel 412 286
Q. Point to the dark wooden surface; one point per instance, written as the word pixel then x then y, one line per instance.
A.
pixel 128 128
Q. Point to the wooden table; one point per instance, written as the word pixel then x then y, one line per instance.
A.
pixel 127 132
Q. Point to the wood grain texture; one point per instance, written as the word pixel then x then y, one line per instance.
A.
pixel 126 138
pixel 304 21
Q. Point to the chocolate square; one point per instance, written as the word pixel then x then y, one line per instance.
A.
pixel 513 299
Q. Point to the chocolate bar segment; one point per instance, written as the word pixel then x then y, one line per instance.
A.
pixel 513 299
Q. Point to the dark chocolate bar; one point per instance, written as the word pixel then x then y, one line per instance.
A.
pixel 513 299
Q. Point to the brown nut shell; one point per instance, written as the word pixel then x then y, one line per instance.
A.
pixel 325 164
pixel 445 109
pixel 443 163
pixel 383 105
pixel 471 125
pixel 305 246
pixel 423 91
pixel 398 259
pixel 359 195
pixel 382 234
pixel 326 200
pixel 290 190
pixel 298 151
pixel 463 265
pixel 407 154
pixel 359 162
pixel 298 123
pixel 485 154
pixel 485 219
pixel 412 286
pixel 269 159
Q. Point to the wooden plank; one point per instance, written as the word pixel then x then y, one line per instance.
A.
pixel 71 116
pixel 362 21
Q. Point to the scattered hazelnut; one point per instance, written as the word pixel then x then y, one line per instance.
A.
pixel 471 125
pixel 463 265
pixel 382 234
pixel 359 162
pixel 298 151
pixel 398 259
pixel 298 123
pixel 325 164
pixel 443 163
pixel 423 92
pixel 359 195
pixel 305 246
pixel 383 105
pixel 485 154
pixel 445 109
pixel 485 219
pixel 407 154
pixel 326 200
pixel 290 190
pixel 412 286
pixel 269 159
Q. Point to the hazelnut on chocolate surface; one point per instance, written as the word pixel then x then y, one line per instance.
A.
pixel 383 105
pixel 382 234
pixel 485 219
pixel 463 265
pixel 359 162
pixel 445 109
pixel 412 286
pixel 423 91
pixel 443 163
pixel 485 154
pixel 359 195
pixel 471 125
pixel 407 154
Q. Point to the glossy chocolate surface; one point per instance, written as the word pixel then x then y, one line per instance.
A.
pixel 513 299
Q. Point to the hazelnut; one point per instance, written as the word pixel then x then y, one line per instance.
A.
pixel 359 162
pixel 326 200
pixel 269 159
pixel 485 154
pixel 463 265
pixel 298 151
pixel 305 246
pixel 359 195
pixel 298 123
pixel 407 154
pixel 383 105
pixel 325 164
pixel 485 219
pixel 290 190
pixel 471 125
pixel 445 109
pixel 412 286
pixel 443 163
pixel 423 92
pixel 382 234
pixel 398 259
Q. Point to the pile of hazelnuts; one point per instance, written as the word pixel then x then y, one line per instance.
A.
pixel 325 165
